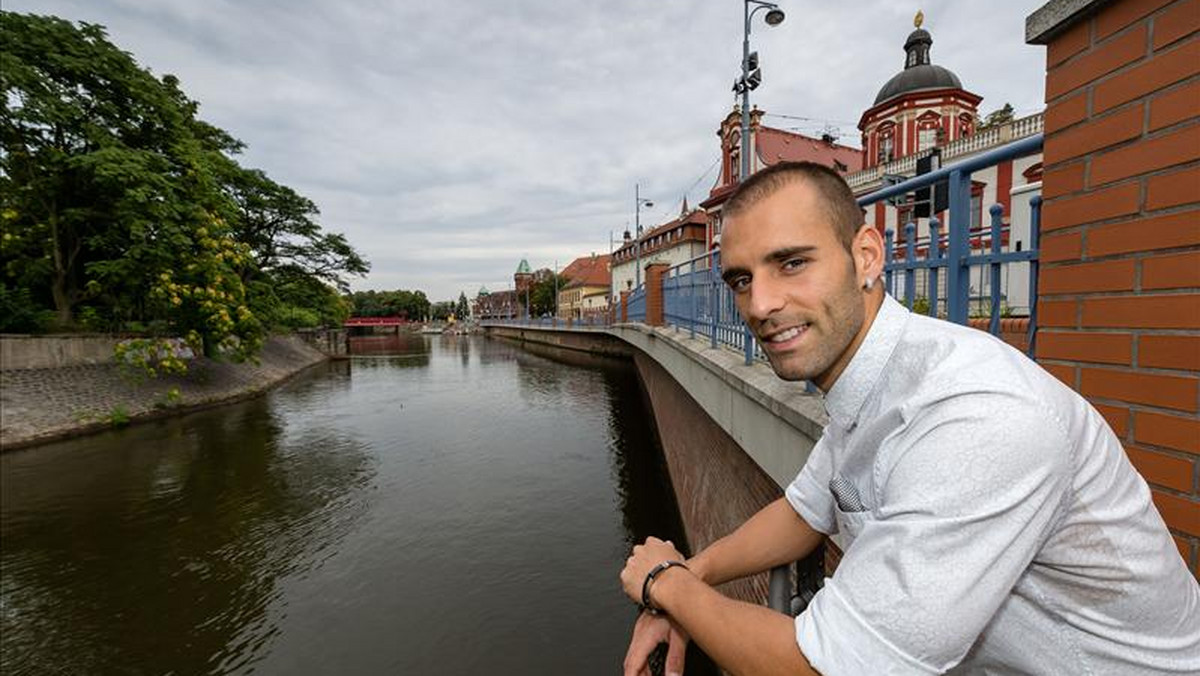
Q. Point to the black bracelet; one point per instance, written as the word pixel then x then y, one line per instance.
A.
pixel 650 578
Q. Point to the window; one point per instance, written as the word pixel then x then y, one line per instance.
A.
pixel 977 204
pixel 927 138
pixel 886 148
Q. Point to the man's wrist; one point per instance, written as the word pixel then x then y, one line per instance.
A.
pixel 698 565
pixel 665 582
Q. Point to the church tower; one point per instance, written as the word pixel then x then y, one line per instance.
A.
pixel 921 107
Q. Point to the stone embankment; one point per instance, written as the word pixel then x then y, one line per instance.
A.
pixel 43 404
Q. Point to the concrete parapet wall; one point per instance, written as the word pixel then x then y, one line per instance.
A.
pixel 56 351
pixel 44 404
pixel 331 342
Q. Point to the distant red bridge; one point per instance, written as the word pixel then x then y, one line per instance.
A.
pixel 375 321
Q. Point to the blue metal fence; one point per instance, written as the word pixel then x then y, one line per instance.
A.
pixel 935 265
pixel 963 247
pixel 636 309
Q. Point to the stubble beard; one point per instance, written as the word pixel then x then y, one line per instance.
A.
pixel 842 319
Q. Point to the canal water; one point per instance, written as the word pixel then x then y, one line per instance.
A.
pixel 435 505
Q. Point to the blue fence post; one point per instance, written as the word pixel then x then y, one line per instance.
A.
pixel 889 260
pixel 934 254
pixel 692 295
pixel 1035 225
pixel 997 213
pixel 910 260
pixel 713 280
pixel 958 275
pixel 748 346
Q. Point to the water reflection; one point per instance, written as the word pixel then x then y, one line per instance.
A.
pixel 461 507
pixel 176 530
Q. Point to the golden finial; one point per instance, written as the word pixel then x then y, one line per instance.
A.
pixel 919 19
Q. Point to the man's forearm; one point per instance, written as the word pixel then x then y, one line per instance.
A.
pixel 742 638
pixel 774 536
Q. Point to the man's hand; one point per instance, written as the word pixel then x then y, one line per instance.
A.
pixel 643 559
pixel 648 632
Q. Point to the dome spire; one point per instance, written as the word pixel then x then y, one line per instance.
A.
pixel 916 47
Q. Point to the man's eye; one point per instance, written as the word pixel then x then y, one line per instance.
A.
pixel 794 264
pixel 739 283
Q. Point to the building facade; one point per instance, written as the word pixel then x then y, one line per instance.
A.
pixel 588 287
pixel 924 115
pixel 674 242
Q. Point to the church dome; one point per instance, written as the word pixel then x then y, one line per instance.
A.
pixel 918 74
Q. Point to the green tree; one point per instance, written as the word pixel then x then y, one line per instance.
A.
pixel 542 294
pixel 995 118
pixel 108 193
pixel 463 309
pixel 120 207
pixel 279 226
pixel 411 304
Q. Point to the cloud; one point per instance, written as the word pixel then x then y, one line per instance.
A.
pixel 448 140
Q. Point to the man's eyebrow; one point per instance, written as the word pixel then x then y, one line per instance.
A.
pixel 728 274
pixel 788 252
pixel 772 257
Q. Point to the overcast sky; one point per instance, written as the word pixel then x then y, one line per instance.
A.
pixel 450 139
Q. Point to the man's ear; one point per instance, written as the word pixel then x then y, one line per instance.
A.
pixel 867 251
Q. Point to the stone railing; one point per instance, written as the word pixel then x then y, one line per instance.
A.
pixel 963 147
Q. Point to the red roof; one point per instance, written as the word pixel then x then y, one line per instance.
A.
pixel 589 271
pixel 777 145
pixel 695 217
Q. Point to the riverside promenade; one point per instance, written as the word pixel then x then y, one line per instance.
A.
pixel 44 404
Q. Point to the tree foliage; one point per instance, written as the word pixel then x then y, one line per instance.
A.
pixel 995 118
pixel 412 305
pixel 121 209
pixel 463 308
pixel 542 298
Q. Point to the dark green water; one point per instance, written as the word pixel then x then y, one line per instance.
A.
pixel 457 506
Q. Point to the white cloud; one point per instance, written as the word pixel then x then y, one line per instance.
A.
pixel 448 140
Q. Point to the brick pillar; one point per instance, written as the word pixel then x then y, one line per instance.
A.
pixel 1119 304
pixel 624 306
pixel 654 293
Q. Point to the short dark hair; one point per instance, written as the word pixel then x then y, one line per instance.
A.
pixel 840 206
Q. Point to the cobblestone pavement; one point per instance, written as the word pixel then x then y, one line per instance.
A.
pixel 42 404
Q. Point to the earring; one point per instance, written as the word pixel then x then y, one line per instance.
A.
pixel 869 283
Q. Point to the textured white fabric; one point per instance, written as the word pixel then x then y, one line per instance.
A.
pixel 1002 530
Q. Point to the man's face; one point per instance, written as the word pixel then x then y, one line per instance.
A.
pixel 795 284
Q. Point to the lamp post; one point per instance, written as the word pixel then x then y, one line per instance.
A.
pixel 638 202
pixel 751 74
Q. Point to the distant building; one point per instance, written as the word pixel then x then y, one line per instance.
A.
pixel 587 288
pixel 674 242
pixel 771 146
pixel 508 304
pixel 925 110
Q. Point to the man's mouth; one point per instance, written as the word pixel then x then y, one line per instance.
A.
pixel 786 335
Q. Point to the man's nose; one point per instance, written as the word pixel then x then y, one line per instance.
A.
pixel 766 297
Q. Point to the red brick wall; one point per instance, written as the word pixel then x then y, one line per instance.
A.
pixel 1014 331
pixel 1119 310
pixel 654 293
pixel 717 485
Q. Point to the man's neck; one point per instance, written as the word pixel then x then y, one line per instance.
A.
pixel 872 301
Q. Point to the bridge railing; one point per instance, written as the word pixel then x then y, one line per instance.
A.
pixel 936 267
pixel 929 261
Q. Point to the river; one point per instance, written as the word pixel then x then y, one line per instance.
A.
pixel 434 505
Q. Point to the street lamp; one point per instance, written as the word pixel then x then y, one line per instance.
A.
pixel 751 73
pixel 639 202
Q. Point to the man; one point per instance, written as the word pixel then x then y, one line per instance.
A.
pixel 991 521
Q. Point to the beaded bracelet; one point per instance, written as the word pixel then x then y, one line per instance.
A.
pixel 650 578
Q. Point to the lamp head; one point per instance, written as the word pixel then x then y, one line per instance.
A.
pixel 774 16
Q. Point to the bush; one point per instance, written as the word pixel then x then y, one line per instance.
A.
pixel 20 314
